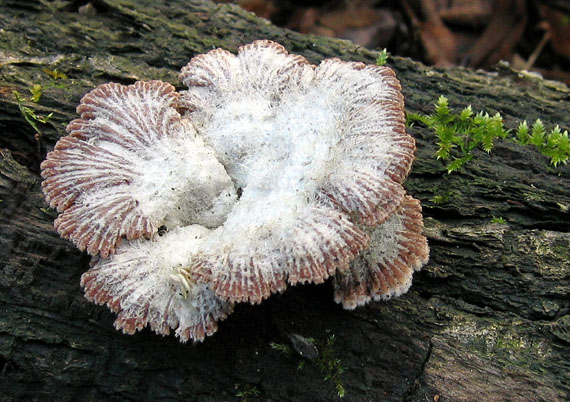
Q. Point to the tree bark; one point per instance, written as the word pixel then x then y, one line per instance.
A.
pixel 487 318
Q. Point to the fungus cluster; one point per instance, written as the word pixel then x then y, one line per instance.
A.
pixel 267 172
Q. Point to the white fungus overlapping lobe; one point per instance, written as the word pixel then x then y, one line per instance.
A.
pixel 384 270
pixel 318 155
pixel 276 136
pixel 141 283
pixel 124 170
pixel 130 165
pixel 310 147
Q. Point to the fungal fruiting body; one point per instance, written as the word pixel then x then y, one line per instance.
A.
pixel 267 171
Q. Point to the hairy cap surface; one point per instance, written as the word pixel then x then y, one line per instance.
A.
pixel 266 171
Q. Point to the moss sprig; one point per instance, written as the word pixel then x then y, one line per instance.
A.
pixel 28 113
pixel 383 57
pixel 246 391
pixel 331 366
pixel 459 134
pixel 553 144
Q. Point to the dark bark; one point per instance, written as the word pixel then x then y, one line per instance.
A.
pixel 487 319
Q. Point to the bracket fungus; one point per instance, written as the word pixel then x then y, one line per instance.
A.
pixel 267 171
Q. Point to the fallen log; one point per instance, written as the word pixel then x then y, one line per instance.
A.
pixel 487 319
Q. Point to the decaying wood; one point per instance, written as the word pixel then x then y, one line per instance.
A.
pixel 487 319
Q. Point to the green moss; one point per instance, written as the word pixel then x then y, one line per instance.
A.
pixel 331 366
pixel 533 196
pixel 440 199
pixel 382 58
pixel 36 92
pixel 246 391
pixel 281 347
pixel 505 342
pixel 29 114
pixel 459 134
pixel 444 198
pixel 553 144
pixel 54 74
pixel 553 246
pixel 52 79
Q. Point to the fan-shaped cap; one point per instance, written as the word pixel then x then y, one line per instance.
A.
pixel 142 283
pixel 129 165
pixel 316 151
pixel 385 269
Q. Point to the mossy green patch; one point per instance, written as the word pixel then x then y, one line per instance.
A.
pixel 383 57
pixel 552 250
pixel 246 391
pixel 510 342
pixel 459 134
